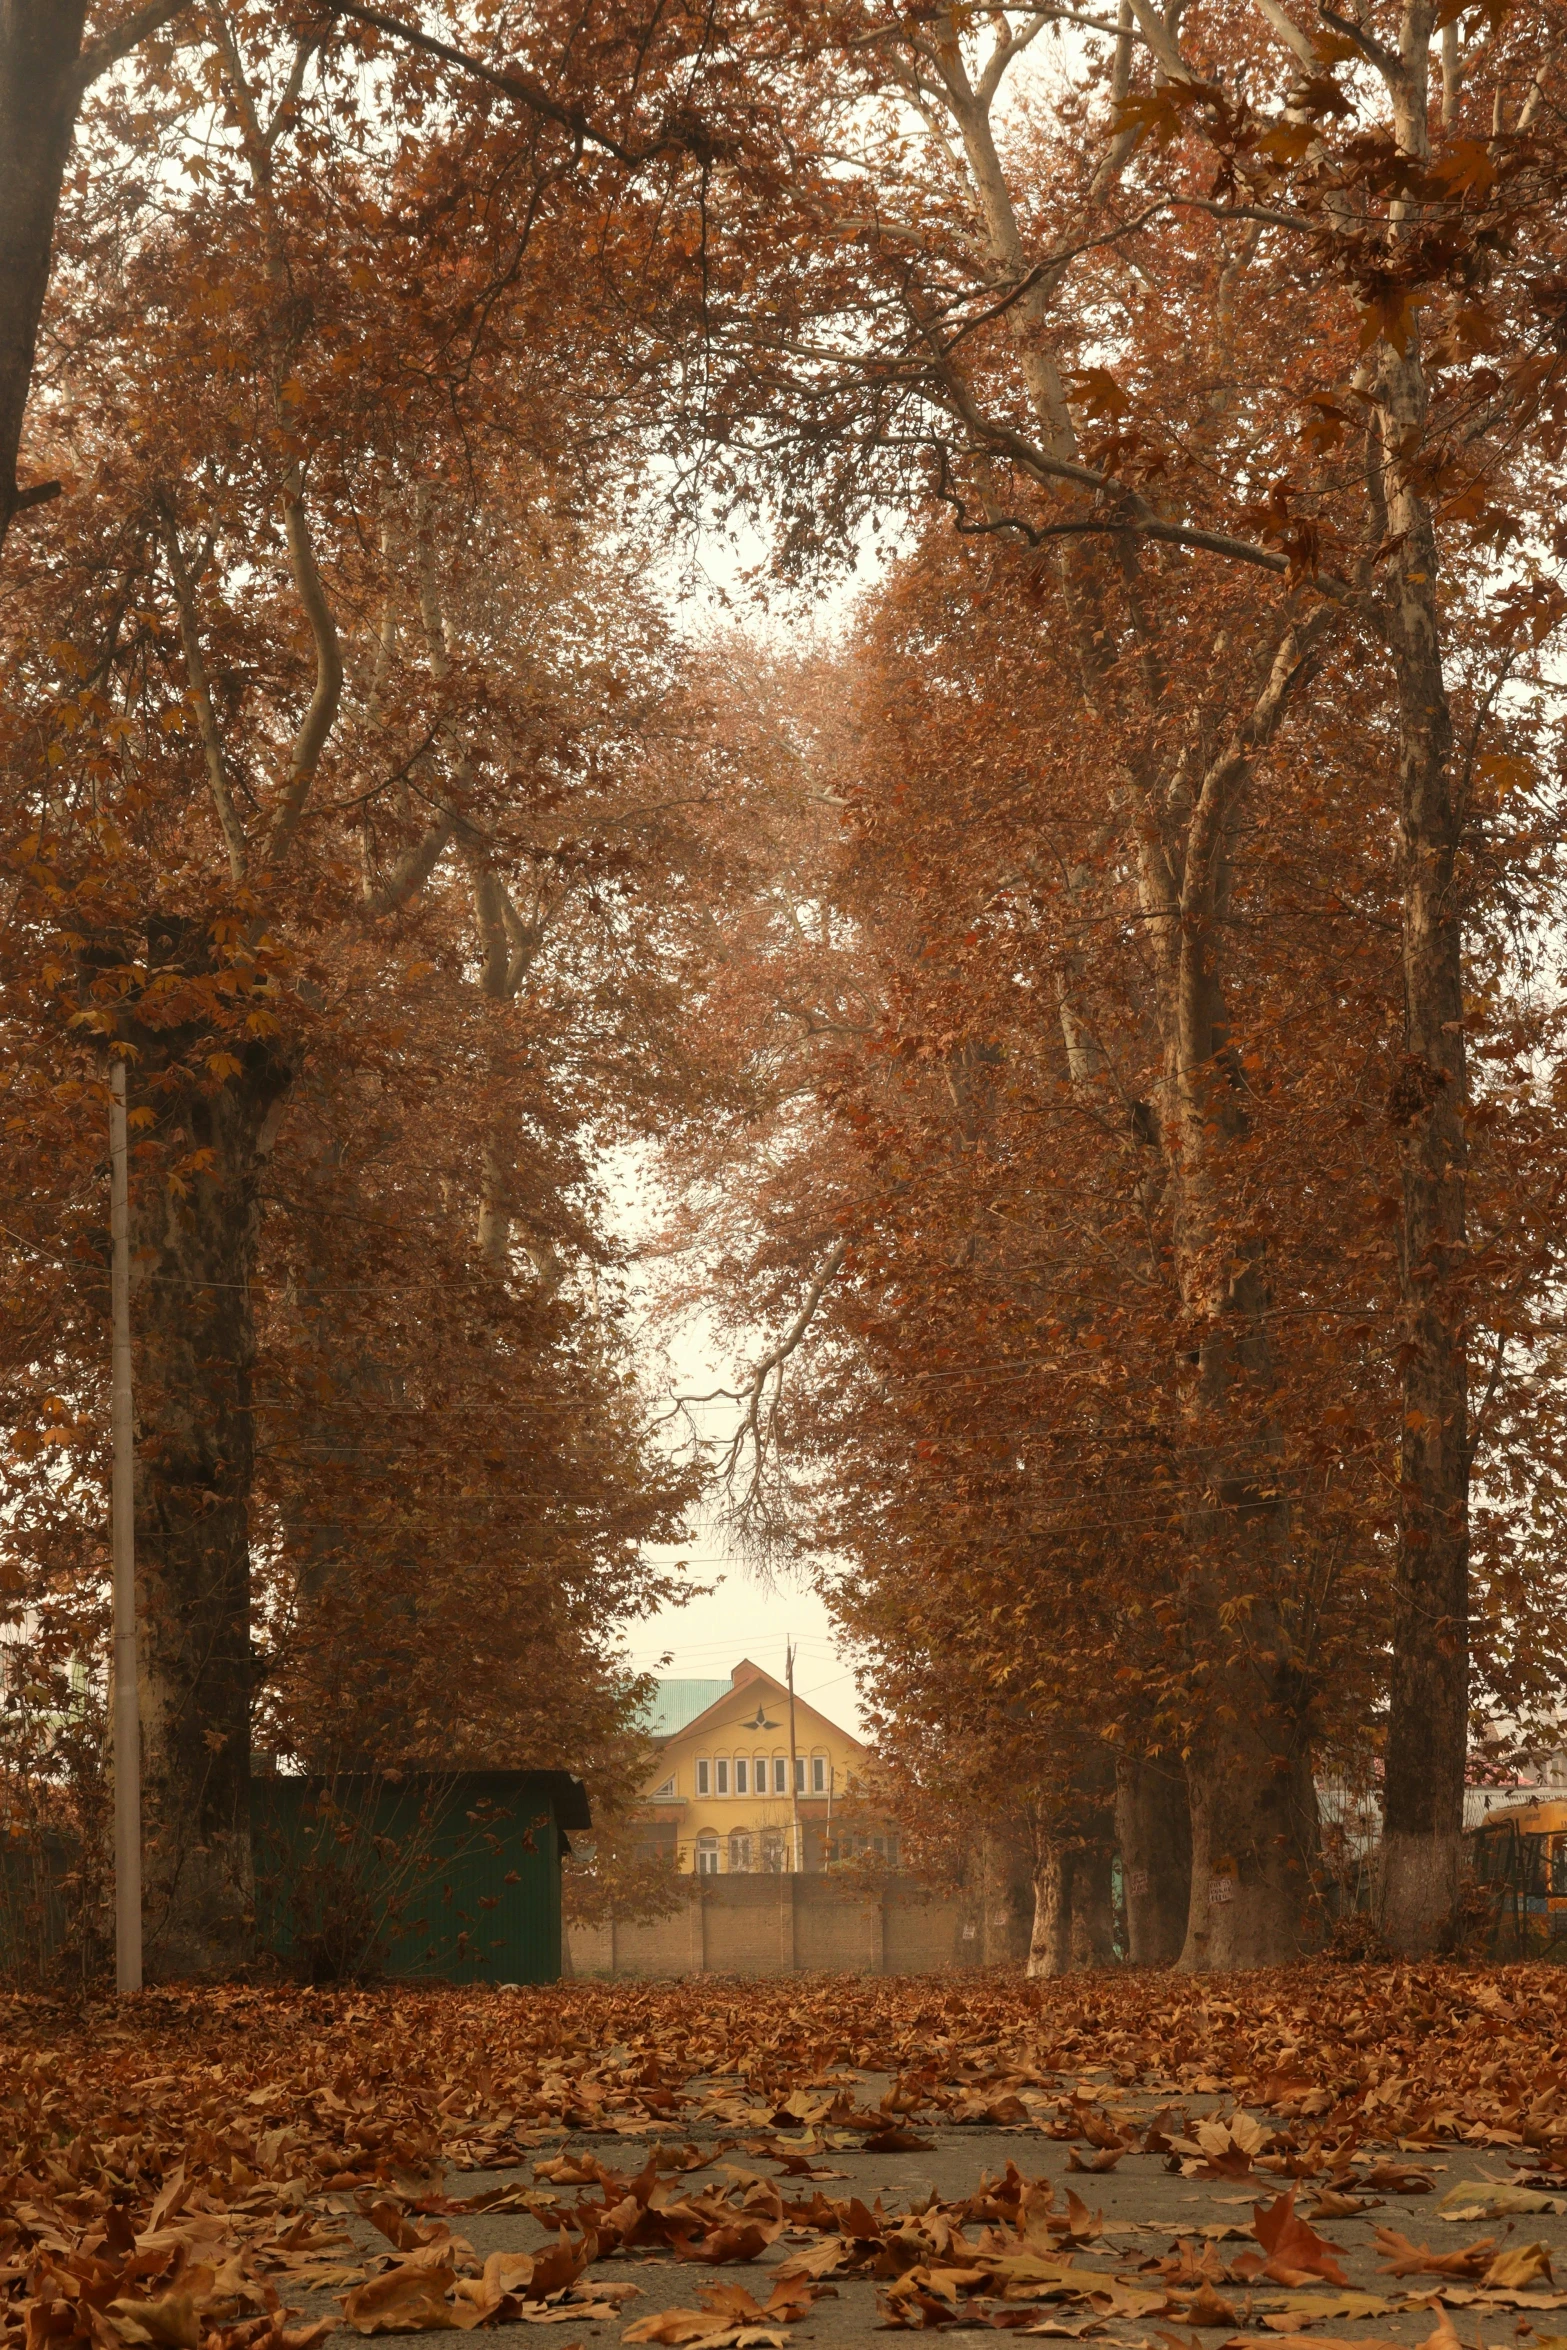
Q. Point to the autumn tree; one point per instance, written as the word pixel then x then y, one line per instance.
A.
pixel 342 793
pixel 1060 326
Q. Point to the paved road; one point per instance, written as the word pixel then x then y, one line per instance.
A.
pixel 1147 2211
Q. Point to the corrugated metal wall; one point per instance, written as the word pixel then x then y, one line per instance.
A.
pixel 454 1875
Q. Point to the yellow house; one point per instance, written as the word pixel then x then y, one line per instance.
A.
pixel 722 1797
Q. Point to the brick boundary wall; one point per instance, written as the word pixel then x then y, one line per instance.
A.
pixel 766 1925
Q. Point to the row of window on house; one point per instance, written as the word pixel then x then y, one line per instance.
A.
pixel 758 1774
pixel 747 1853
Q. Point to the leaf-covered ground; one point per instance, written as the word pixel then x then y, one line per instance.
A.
pixel 1365 2156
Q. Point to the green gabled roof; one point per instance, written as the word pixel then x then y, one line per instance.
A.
pixel 678 1702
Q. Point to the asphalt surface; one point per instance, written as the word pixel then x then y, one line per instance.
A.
pixel 1148 2212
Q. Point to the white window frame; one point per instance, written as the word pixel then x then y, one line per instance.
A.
pixel 742 1776
pixel 818 1774
pixel 704 1775
pixel 799 1774
pixel 721 1774
pixel 707 1849
pixel 780 1774
pixel 668 1788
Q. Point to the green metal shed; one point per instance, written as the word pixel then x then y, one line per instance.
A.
pixel 452 1875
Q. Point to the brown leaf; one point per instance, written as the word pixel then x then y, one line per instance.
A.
pixel 411 2299
pixel 1401 2258
pixel 1519 2267
pixel 1208 2308
pixel 1295 2250
pixel 170 2321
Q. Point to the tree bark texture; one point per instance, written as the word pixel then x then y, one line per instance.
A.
pixel 999 1894
pixel 1253 1816
pixel 40 41
pixel 1091 1929
pixel 1074 1916
pixel 1154 1831
pixel 1240 1573
pixel 1429 1693
pixel 1249 1779
pixel 192 1256
pixel 1050 1946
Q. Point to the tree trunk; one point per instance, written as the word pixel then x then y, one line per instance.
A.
pixel 1091 1934
pixel 999 1891
pixel 1154 1829
pixel 1427 1739
pixel 192 1257
pixel 39 45
pixel 1247 1775
pixel 1050 1949
pixel 1253 1813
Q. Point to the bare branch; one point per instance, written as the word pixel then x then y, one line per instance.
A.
pixel 413 868
pixel 1294 37
pixel 196 670
pixel 1374 51
pixel 316 725
pixel 752 1394
pixel 303 52
pixel 1010 44
pixel 1136 516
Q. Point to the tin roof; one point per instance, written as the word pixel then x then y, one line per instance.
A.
pixel 676 1703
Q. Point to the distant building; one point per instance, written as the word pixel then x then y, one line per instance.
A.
pixel 719 1799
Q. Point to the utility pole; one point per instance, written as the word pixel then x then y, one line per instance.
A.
pixel 796 1849
pixel 122 1547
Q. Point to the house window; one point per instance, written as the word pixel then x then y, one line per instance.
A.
pixel 863 1847
pixel 668 1787
pixel 780 1774
pixel 722 1767
pixel 739 1856
pixel 818 1774
pixel 799 1774
pixel 772 1851
pixel 704 1773
pixel 760 1780
pixel 707 1856
pixel 740 1776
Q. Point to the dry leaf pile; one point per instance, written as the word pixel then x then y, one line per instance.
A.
pixel 172 2169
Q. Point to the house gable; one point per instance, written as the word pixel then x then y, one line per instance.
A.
pixel 758 1691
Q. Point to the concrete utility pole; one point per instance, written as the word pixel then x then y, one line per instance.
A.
pixel 122 1546
pixel 796 1848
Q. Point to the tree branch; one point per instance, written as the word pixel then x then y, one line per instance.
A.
pixel 196 670
pixel 516 85
pixel 316 725
pixel 138 27
pixel 1138 517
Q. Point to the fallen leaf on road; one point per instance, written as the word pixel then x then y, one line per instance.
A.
pixel 1492 2199
pixel 1295 2251
pixel 1519 2267
pixel 1401 2258
pixel 412 2299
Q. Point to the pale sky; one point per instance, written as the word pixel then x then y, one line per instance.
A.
pixel 742 1616
pixel 707 1639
